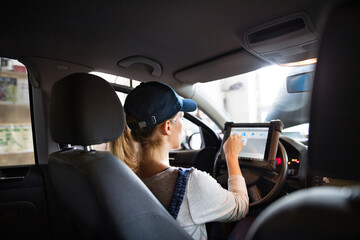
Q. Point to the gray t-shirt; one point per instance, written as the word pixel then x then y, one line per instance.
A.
pixel 204 201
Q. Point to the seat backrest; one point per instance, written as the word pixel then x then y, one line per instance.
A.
pixel 334 118
pixel 105 198
pixel 327 212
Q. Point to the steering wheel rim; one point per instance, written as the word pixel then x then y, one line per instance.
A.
pixel 256 200
pixel 279 179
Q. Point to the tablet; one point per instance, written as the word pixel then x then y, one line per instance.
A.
pixel 260 139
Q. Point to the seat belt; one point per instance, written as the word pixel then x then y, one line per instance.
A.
pixel 179 191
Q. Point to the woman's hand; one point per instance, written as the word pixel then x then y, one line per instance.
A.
pixel 232 147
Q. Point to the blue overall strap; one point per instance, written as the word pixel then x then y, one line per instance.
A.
pixel 179 191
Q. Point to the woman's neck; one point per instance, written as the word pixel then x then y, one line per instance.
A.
pixel 153 162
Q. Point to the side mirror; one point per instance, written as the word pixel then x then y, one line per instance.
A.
pixel 300 82
pixel 195 141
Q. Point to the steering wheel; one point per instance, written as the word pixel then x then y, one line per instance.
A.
pixel 254 174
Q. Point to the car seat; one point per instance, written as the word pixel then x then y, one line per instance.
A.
pixel 105 198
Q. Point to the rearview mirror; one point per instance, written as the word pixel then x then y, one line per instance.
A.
pixel 300 82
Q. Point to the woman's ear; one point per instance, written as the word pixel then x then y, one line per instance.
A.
pixel 165 128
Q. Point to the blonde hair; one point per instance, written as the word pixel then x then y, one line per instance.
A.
pixel 131 146
pixel 124 148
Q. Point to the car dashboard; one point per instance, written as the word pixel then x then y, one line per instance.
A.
pixel 297 162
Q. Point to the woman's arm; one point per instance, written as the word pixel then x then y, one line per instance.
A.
pixel 208 201
pixel 232 148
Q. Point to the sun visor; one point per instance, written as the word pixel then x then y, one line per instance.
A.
pixel 287 39
pixel 224 66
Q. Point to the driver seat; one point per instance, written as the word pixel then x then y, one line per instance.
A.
pixel 327 212
pixel 104 197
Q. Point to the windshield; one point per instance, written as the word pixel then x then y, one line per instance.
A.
pixel 262 96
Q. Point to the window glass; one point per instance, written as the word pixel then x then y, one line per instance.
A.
pixel 117 79
pixel 262 96
pixel 16 141
pixel 122 96
pixel 192 138
pixel 207 120
pixel 191 132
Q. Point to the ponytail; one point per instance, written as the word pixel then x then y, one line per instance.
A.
pixel 125 149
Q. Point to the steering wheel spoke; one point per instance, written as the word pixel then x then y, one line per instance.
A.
pixel 272 177
pixel 254 193
pixel 257 198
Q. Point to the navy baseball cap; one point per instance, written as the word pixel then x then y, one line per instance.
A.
pixel 152 103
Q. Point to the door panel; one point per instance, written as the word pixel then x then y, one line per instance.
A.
pixel 202 159
pixel 183 158
pixel 22 203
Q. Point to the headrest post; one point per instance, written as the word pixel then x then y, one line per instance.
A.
pixel 65 146
pixel 88 148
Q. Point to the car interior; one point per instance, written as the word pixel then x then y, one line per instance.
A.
pixel 59 111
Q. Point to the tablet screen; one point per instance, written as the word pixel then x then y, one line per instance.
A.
pixel 254 139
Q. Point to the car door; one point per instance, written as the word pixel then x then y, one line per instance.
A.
pixel 23 208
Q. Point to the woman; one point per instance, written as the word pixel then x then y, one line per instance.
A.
pixel 154 115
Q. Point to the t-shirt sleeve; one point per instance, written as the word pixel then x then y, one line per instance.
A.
pixel 209 201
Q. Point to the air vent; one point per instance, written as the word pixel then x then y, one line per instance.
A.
pixel 277 30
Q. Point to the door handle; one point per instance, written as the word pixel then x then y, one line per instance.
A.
pixel 17 178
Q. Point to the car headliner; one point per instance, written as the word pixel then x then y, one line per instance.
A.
pixel 193 41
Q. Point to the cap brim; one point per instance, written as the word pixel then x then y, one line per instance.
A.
pixel 188 105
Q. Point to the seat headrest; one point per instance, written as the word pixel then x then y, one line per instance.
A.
pixel 85 110
pixel 334 119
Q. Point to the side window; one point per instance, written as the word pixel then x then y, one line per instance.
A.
pixel 122 96
pixel 192 136
pixel 16 141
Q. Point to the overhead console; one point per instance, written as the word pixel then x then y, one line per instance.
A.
pixel 287 39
